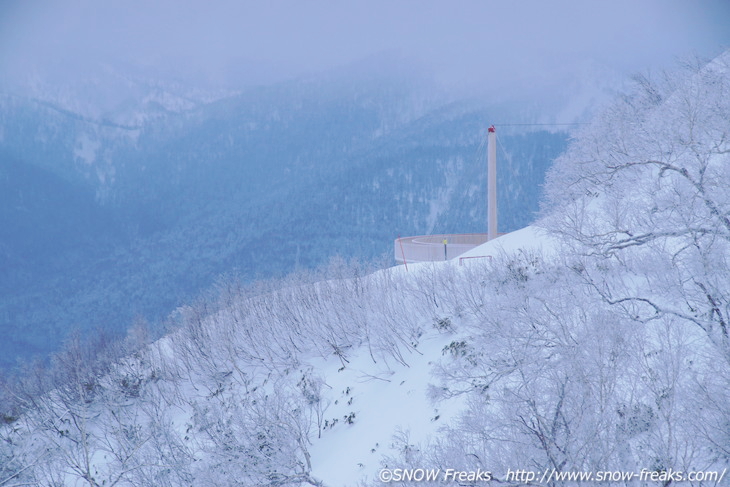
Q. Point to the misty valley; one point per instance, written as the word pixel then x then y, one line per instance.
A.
pixel 122 216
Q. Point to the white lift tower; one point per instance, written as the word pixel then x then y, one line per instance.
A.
pixel 491 183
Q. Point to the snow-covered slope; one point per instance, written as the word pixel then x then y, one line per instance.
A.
pixel 383 401
pixel 355 408
pixel 392 400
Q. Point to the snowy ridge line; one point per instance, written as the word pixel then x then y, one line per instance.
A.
pixel 74 115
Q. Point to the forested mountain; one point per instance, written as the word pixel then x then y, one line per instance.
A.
pixel 132 211
pixel 591 348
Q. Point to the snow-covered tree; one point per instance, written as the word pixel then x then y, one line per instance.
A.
pixel 643 192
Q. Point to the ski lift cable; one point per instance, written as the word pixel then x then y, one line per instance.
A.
pixel 480 152
pixel 499 141
pixel 538 124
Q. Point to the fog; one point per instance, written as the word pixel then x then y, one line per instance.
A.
pixel 463 44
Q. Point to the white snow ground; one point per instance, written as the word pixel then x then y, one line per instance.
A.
pixel 388 399
pixel 531 238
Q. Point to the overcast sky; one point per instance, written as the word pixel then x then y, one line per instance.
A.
pixel 460 40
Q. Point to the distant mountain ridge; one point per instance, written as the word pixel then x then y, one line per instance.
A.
pixel 254 184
